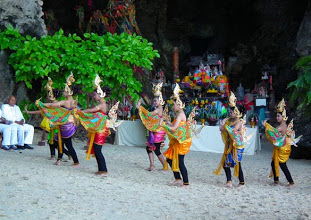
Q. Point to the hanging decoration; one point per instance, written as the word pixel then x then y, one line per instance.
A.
pixel 118 18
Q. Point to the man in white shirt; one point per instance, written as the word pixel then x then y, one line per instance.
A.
pixel 9 135
pixel 13 116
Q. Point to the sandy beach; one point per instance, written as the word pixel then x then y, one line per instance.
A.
pixel 33 188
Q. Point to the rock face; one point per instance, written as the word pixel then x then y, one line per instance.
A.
pixel 302 121
pixel 303 42
pixel 7 81
pixel 26 16
pixel 302 126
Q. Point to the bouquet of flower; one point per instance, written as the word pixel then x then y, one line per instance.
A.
pixel 253 119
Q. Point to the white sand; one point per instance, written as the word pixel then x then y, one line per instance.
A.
pixel 33 188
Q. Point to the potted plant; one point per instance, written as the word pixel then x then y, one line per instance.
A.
pixel 212 115
pixel 203 115
pixel 134 113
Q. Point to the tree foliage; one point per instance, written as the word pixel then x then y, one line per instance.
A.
pixel 112 57
pixel 301 87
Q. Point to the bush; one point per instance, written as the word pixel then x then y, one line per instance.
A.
pixel 112 57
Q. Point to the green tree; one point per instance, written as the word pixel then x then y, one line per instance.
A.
pixel 301 87
pixel 112 57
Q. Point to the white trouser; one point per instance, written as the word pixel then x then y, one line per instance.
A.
pixel 24 134
pixel 9 134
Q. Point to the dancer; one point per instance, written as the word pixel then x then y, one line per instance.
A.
pixel 60 114
pixel 45 124
pixel 281 137
pixel 180 135
pixel 233 134
pixel 151 120
pixel 96 123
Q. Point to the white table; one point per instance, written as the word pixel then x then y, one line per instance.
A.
pixel 133 133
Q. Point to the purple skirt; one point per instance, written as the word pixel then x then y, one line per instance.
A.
pixel 66 130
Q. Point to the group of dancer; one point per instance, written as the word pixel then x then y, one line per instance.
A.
pixel 61 118
pixel 233 132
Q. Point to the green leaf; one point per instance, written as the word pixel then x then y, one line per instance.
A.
pixel 111 56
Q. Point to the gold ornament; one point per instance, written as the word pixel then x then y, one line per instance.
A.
pixel 156 89
pixel 281 109
pixel 232 103
pixel 69 81
pixel 97 86
pixel 176 92
pixel 232 99
pixel 49 88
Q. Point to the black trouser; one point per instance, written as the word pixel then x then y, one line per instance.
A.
pixel 228 174
pixel 285 171
pixel 54 146
pixel 156 151
pixel 72 152
pixel 182 169
pixel 100 157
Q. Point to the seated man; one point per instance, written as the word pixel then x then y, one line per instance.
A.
pixel 9 135
pixel 12 115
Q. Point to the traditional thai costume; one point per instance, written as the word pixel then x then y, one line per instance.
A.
pixel 64 121
pixel 156 132
pixel 233 152
pixel 152 123
pixel 47 126
pixel 98 124
pixel 180 142
pixel 234 145
pixel 281 146
pixel 179 146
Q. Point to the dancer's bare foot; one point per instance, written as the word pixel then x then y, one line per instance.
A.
pixel 75 165
pixel 228 184
pixel 164 171
pixel 101 173
pixel 276 183
pixel 52 158
pixel 291 185
pixel 241 185
pixel 151 168
pixel 176 183
pixel 57 163
pixel 185 186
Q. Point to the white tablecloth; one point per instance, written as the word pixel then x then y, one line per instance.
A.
pixel 133 133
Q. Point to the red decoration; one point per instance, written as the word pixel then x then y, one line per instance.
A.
pixel 176 60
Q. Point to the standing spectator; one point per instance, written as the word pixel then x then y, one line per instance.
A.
pixel 13 116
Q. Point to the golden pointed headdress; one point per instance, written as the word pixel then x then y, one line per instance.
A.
pixel 49 88
pixel 232 103
pixel 156 89
pixel 176 91
pixel 281 109
pixel 97 86
pixel 69 81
